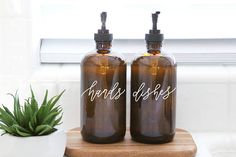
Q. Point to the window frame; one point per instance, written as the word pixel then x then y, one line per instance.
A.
pixel 186 51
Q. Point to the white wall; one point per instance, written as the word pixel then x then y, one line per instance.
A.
pixel 206 94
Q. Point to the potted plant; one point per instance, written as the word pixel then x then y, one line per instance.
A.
pixel 30 130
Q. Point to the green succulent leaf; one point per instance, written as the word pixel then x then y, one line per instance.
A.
pixel 31 127
pixel 6 118
pixel 31 119
pixel 43 129
pixel 6 129
pixel 21 131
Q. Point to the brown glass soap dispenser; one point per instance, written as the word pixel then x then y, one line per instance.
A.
pixel 103 91
pixel 153 92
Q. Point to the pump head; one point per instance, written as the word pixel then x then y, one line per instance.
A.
pixel 154 34
pixel 103 33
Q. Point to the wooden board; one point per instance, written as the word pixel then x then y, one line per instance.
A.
pixel 182 146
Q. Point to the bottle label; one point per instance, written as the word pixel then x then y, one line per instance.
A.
pixel 114 93
pixel 158 92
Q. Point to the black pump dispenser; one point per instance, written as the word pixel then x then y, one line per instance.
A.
pixel 103 33
pixel 154 34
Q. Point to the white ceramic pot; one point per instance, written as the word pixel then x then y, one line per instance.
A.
pixel 52 145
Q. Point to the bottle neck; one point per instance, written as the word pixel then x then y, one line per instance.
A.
pixel 103 47
pixel 154 47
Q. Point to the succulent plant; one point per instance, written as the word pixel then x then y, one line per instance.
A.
pixel 31 119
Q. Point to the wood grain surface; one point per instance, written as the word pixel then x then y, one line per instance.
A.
pixel 182 146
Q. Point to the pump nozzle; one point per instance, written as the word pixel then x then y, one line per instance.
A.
pixel 103 20
pixel 154 34
pixel 103 33
pixel 154 20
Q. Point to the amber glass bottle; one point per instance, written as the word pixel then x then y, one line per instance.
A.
pixel 153 92
pixel 103 92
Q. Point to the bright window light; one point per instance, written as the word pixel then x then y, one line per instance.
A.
pixel 131 19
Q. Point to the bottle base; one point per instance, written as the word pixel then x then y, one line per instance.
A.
pixel 154 140
pixel 103 140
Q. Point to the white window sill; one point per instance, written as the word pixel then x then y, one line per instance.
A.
pixel 185 51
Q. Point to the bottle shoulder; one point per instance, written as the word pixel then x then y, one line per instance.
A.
pixel 94 58
pixel 148 60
